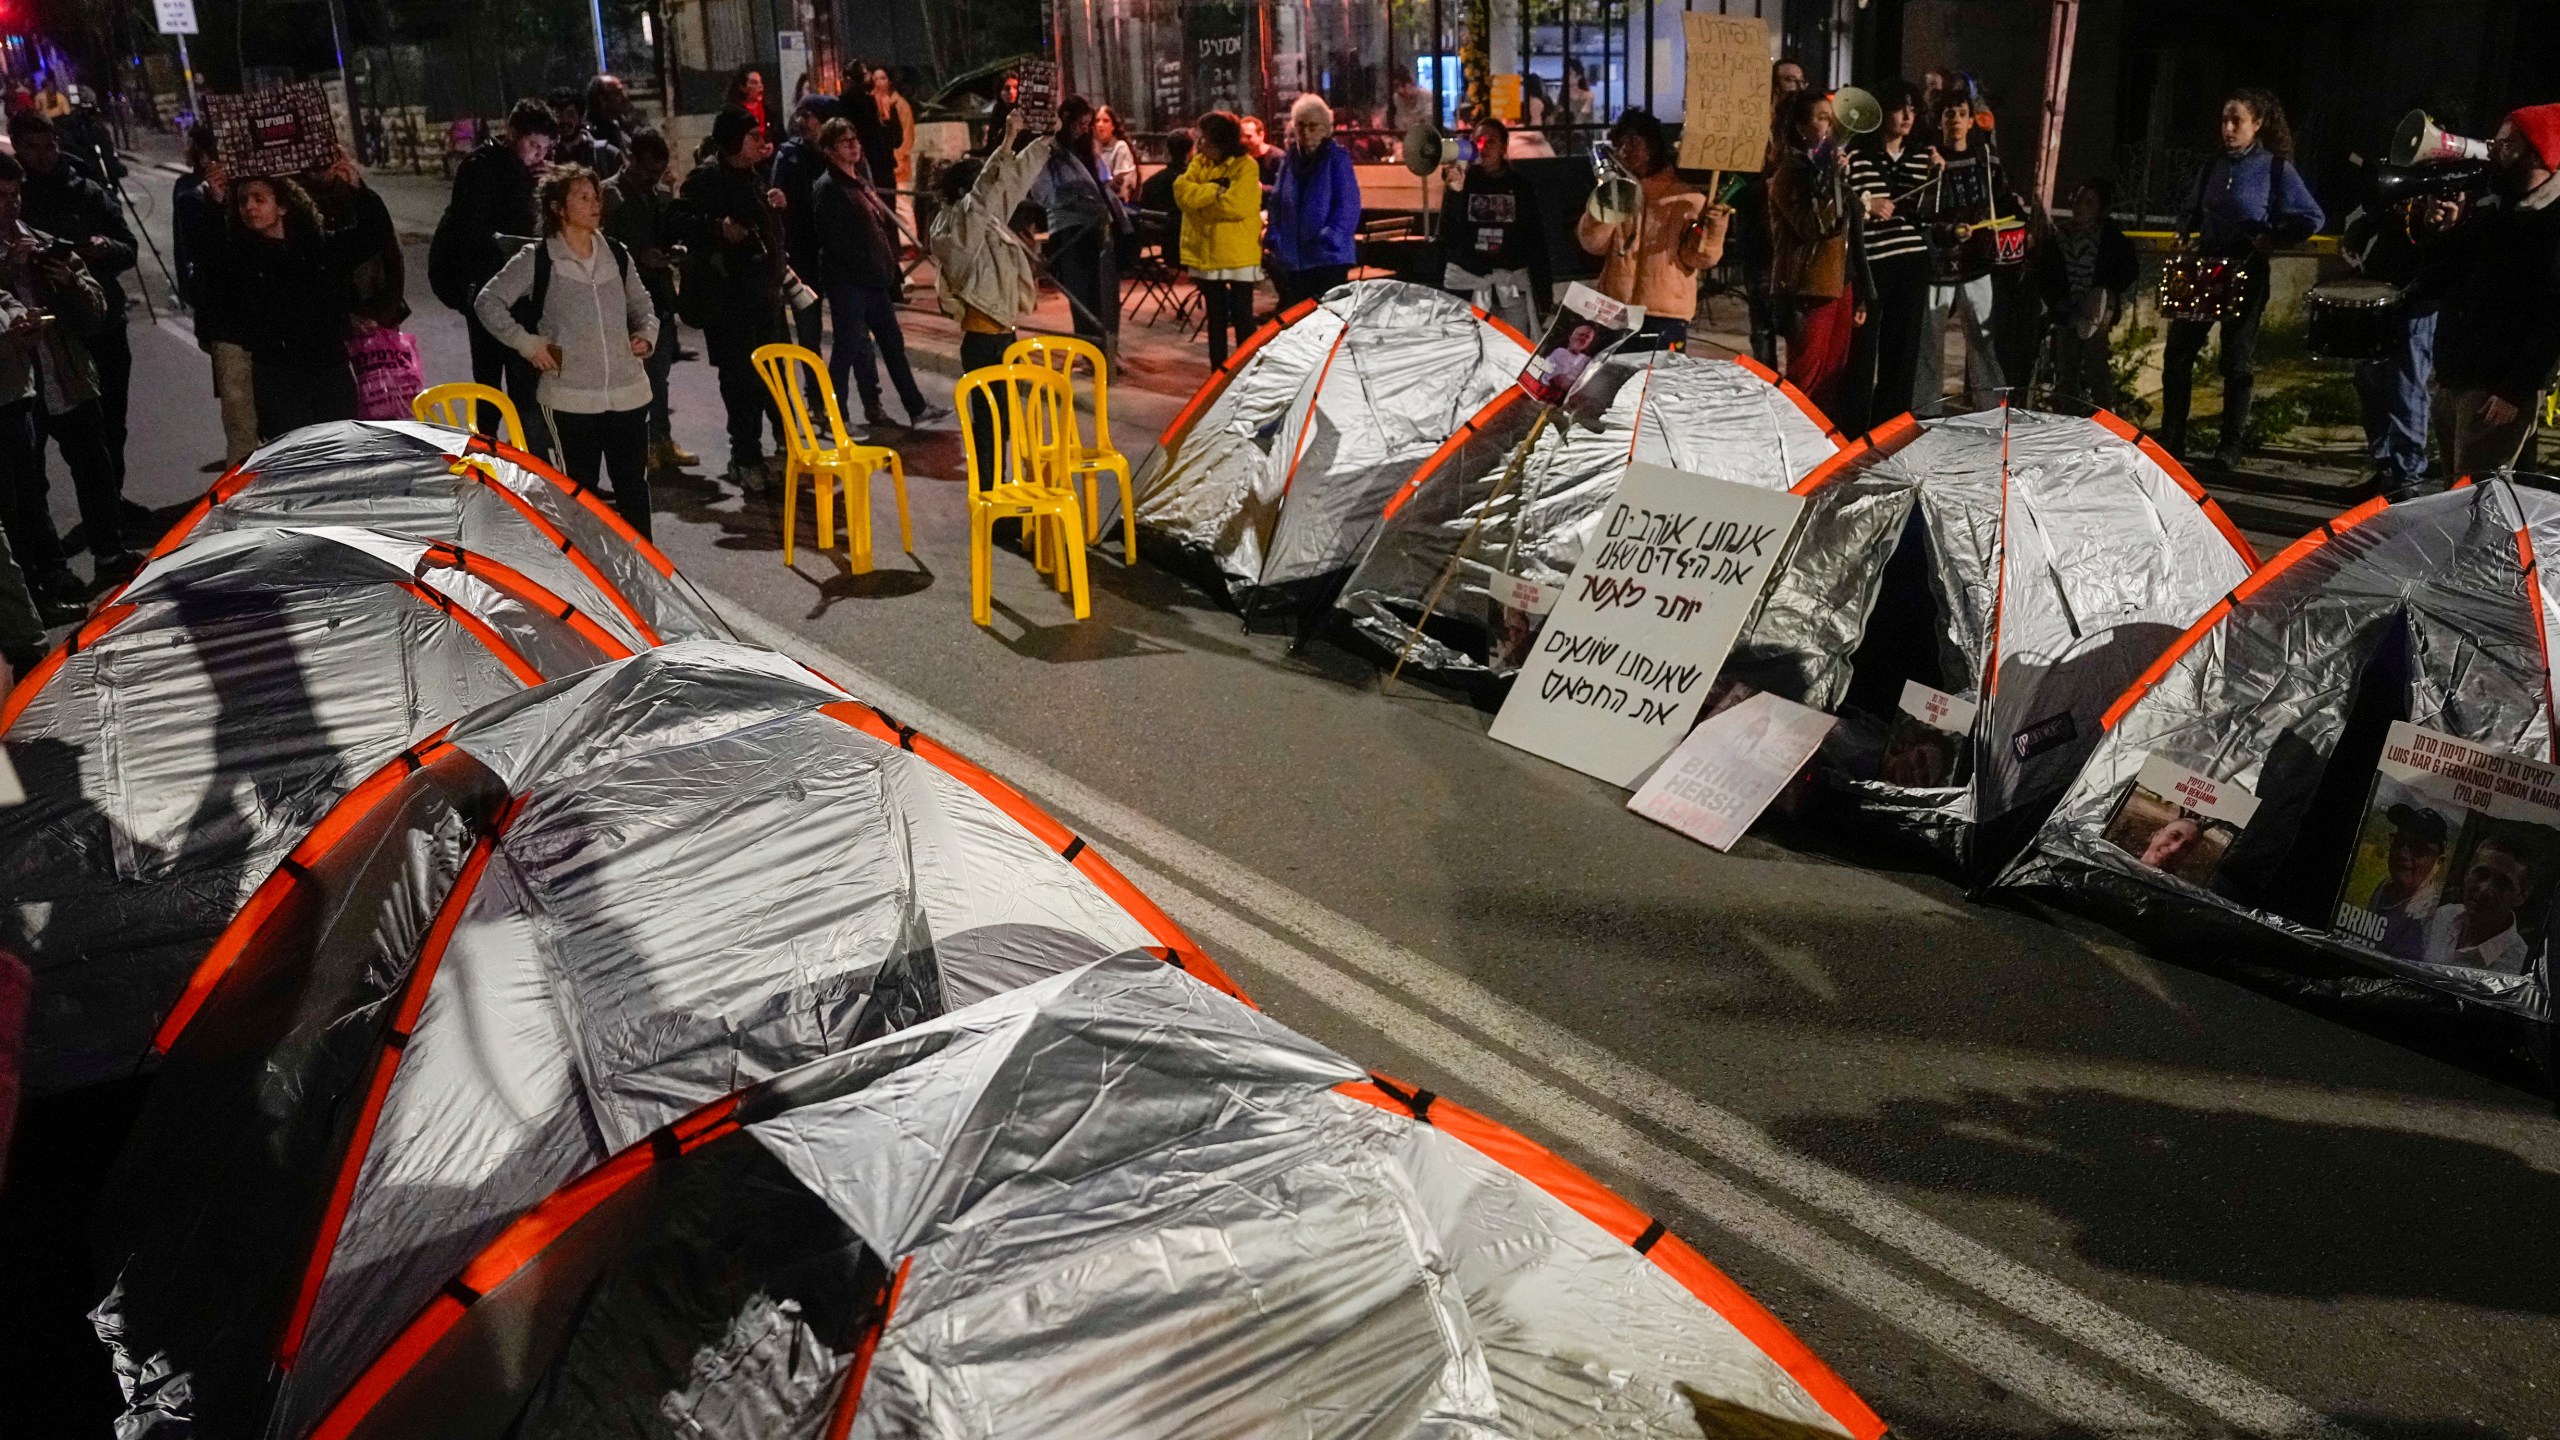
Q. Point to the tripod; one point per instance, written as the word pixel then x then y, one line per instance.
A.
pixel 124 198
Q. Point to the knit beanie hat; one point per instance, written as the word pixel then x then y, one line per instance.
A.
pixel 2540 126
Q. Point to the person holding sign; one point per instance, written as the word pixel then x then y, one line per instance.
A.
pixel 1652 257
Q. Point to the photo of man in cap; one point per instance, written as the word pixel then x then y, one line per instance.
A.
pixel 2406 897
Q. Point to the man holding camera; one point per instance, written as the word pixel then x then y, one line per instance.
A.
pixel 2498 335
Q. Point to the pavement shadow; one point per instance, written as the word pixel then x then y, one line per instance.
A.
pixel 877 583
pixel 2238 1201
pixel 1070 642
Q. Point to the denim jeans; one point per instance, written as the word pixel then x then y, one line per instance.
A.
pixel 865 315
pixel 2393 391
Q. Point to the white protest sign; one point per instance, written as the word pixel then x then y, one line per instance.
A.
pixel 1730 768
pixel 177 17
pixel 1937 709
pixel 1645 622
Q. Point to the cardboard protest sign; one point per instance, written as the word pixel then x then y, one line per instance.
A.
pixel 2179 821
pixel 1588 325
pixel 1621 666
pixel 1724 123
pixel 2456 860
pixel 279 131
pixel 1731 767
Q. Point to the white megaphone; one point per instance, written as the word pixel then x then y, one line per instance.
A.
pixel 2420 141
pixel 1423 148
pixel 1858 112
pixel 1615 197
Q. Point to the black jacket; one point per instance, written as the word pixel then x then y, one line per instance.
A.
pixel 492 197
pixel 2115 274
pixel 2499 329
pixel 796 167
pixel 1493 224
pixel 64 204
pixel 741 280
pixel 195 238
pixel 288 301
pixel 591 150
pixel 852 243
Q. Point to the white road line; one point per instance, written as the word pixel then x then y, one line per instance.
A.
pixel 2230 1396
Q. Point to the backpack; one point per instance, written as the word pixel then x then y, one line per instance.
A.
pixel 528 307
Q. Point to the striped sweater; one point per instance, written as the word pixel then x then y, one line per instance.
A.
pixel 1872 172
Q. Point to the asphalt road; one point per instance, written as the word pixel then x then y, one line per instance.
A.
pixel 2006 1174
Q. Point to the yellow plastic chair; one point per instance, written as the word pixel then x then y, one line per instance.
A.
pixel 459 405
pixel 1033 479
pixel 829 459
pixel 1093 460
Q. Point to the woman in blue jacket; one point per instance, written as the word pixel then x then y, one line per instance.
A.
pixel 2247 201
pixel 1314 209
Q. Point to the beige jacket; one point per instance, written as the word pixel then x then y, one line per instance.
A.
pixel 1653 260
pixel 978 262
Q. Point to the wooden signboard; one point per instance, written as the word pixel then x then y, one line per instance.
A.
pixel 1725 123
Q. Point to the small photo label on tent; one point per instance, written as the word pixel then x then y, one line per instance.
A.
pixel 2457 862
pixel 2179 821
pixel 1937 709
pixel 1620 668
pixel 1731 767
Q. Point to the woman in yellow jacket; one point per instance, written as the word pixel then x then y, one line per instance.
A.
pixel 1221 201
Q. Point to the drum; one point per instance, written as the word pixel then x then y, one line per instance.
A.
pixel 2204 288
pixel 2353 320
pixel 2009 243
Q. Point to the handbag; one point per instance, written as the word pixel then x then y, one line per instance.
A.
pixel 388 373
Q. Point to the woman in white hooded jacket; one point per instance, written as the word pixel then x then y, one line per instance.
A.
pixel 587 330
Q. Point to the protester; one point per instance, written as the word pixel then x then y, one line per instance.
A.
pixel 577 143
pixel 999 113
pixel 982 271
pixel 196 239
pixel 1220 195
pixel 2085 274
pixel 731 222
pixel 285 288
pixel 1408 105
pixel 1315 208
pixel 378 286
pixel 635 213
pixel 61 202
pixel 592 323
pixel 2498 335
pixel 1786 77
pixel 1155 193
pixel 1814 272
pixel 1493 247
pixel 491 210
pixel 610 114
pixel 1653 258
pixel 2392 243
pixel 889 141
pixel 2246 201
pixel 1119 158
pixel 1085 222
pixel 1748 243
pixel 858 271
pixel 1890 175
pixel 796 167
pixel 746 92
pixel 49 388
pixel 1266 156
pixel 1971 194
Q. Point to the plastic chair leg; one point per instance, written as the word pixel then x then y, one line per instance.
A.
pixel 790 508
pixel 898 479
pixel 1075 566
pixel 1128 518
pixel 823 486
pixel 981 565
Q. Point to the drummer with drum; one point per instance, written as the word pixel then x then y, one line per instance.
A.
pixel 2247 201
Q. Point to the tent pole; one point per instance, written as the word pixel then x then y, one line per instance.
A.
pixel 1449 572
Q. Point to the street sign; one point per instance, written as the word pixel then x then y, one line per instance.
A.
pixel 177 17
pixel 1624 662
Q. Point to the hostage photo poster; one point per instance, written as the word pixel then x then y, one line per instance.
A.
pixel 2456 857
pixel 1719 779
pixel 1588 325
pixel 2179 821
pixel 1619 669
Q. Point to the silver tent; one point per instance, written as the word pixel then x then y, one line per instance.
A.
pixel 1728 419
pixel 193 728
pixel 1111 1203
pixel 1277 469
pixel 579 915
pixel 2042 562
pixel 437 483
pixel 2433 611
